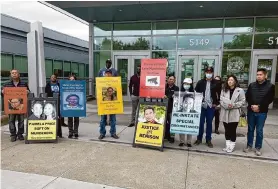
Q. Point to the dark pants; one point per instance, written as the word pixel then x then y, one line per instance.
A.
pixel 216 119
pixel 62 120
pixel 59 129
pixel 73 124
pixel 230 131
pixel 20 124
pixel 206 116
pixel 168 124
pixel 255 120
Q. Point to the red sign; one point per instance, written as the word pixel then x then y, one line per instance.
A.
pixel 152 79
pixel 15 100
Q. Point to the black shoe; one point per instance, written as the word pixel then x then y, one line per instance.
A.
pixel 171 140
pixel 64 125
pixel 181 144
pixel 76 136
pixel 131 125
pixel 101 137
pixel 198 142
pixel 189 145
pixel 217 132
pixel 70 136
pixel 60 136
pixel 20 137
pixel 13 138
pixel 210 145
pixel 115 136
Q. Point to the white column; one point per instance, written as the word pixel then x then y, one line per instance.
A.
pixel 36 61
pixel 91 60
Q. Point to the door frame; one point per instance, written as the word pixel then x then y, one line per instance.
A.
pixel 217 69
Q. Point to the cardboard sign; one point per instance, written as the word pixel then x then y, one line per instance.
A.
pixel 109 95
pixel 153 78
pixel 15 100
pixel 150 125
pixel 41 130
pixel 73 98
pixel 186 113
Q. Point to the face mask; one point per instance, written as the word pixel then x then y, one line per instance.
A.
pixel 209 76
pixel 186 87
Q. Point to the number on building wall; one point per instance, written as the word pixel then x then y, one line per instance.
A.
pixel 197 42
pixel 273 40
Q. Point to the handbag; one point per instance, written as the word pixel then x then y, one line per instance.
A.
pixel 242 119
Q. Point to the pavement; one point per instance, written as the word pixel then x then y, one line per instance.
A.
pixel 90 163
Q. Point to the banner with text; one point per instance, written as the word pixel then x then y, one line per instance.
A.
pixel 15 100
pixel 153 77
pixel 73 98
pixel 109 95
pixel 186 113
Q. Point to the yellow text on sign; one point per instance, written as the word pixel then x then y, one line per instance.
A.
pixel 109 95
pixel 149 134
pixel 41 129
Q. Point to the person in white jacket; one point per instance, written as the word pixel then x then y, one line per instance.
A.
pixel 232 99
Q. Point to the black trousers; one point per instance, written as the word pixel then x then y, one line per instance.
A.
pixel 168 124
pixel 20 124
pixel 216 119
pixel 230 131
pixel 73 124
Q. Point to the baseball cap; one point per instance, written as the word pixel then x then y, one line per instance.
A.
pixel 187 80
pixel 108 61
pixel 209 69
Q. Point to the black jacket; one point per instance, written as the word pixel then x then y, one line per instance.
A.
pixel 169 92
pixel 260 94
pixel 48 90
pixel 11 84
pixel 215 89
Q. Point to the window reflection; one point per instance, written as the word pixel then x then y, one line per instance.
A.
pixel 266 25
pixel 239 41
pixel 131 43
pixel 199 42
pixel 132 29
pixel 164 28
pixel 102 29
pixel 200 26
pixel 171 57
pixel 102 43
pixel 238 25
pixel 164 43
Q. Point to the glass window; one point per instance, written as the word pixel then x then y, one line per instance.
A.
pixel 267 24
pixel 81 70
pixel 237 63
pixel 6 65
pixel 48 68
pixel 164 43
pixel 58 68
pixel 200 42
pixel 238 41
pixel 238 25
pixel 74 69
pixel 66 69
pixel 21 64
pixel 200 26
pixel 102 43
pixel 87 70
pixel 132 29
pixel 99 60
pixel 171 57
pixel 102 29
pixel 266 41
pixel 164 28
pixel 131 43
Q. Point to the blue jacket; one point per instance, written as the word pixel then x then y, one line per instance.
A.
pixel 102 71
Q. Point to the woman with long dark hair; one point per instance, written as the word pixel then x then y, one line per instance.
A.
pixel 232 99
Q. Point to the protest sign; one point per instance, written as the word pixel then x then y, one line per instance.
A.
pixel 73 98
pixel 186 113
pixel 153 77
pixel 15 100
pixel 150 125
pixel 42 119
pixel 109 95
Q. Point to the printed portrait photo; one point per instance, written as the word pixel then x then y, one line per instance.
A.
pixel 109 94
pixel 73 101
pixel 42 110
pixel 16 104
pixel 152 114
pixel 188 102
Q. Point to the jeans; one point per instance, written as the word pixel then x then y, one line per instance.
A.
pixel 255 120
pixel 135 101
pixel 206 116
pixel 230 131
pixel 20 124
pixel 73 124
pixel 103 120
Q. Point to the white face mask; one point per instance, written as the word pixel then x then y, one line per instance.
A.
pixel 186 87
pixel 209 76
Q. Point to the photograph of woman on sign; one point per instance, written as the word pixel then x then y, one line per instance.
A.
pixel 49 111
pixel 109 94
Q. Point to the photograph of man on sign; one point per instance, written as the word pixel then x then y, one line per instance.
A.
pixel 149 115
pixel 37 109
pixel 16 104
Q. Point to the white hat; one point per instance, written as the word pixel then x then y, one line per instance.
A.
pixel 187 80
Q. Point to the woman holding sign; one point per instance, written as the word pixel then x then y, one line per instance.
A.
pixel 232 99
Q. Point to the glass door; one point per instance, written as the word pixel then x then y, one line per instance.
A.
pixel 122 66
pixel 207 61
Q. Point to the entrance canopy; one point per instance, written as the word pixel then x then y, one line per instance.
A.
pixel 110 11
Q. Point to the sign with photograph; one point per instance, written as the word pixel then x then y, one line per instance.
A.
pixel 109 95
pixel 42 119
pixel 73 98
pixel 186 113
pixel 15 100
pixel 153 77
pixel 150 125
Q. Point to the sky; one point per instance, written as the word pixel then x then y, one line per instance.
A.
pixel 33 11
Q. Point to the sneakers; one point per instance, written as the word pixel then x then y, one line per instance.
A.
pixel 181 144
pixel 115 136
pixel 101 137
pixel 231 147
pixel 131 125
pixel 258 152
pixel 76 136
pixel 171 140
pixel 13 138
pixel 210 145
pixel 20 137
pixel 198 142
pixel 247 149
pixel 70 136
pixel 227 145
pixel 189 145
